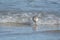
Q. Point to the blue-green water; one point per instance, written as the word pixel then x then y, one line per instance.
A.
pixel 14 12
pixel 24 10
pixel 27 33
pixel 30 5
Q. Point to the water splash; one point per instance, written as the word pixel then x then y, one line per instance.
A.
pixel 26 17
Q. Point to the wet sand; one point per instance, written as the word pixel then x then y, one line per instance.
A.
pixel 14 24
pixel 52 31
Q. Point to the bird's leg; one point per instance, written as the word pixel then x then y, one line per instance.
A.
pixel 35 27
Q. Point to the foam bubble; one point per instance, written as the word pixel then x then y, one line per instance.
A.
pixel 27 17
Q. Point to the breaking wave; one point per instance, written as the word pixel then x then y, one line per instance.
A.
pixel 26 17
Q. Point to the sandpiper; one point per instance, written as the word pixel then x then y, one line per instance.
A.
pixel 35 19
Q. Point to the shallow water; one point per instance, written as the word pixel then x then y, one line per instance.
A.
pixel 22 11
pixel 30 5
pixel 44 32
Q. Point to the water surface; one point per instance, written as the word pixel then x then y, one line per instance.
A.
pixel 27 33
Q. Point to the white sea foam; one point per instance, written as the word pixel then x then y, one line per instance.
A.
pixel 27 17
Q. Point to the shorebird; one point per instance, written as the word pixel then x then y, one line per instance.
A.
pixel 35 19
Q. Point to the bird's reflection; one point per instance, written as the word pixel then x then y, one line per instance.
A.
pixel 35 27
pixel 35 19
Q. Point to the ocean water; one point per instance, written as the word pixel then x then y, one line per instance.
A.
pixel 16 19
pixel 30 5
pixel 26 32
pixel 23 11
